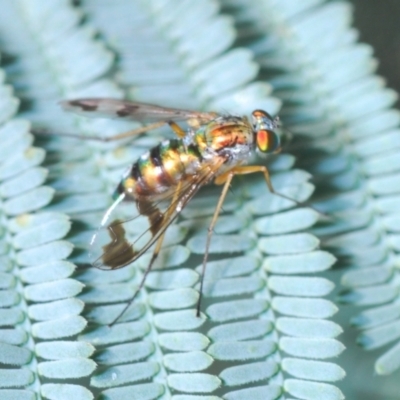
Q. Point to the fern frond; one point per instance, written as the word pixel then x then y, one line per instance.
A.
pixel 342 112
pixel 40 314
pixel 264 316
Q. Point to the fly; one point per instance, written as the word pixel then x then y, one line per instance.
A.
pixel 162 181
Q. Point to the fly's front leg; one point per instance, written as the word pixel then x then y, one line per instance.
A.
pixel 251 169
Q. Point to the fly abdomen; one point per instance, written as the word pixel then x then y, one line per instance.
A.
pixel 160 169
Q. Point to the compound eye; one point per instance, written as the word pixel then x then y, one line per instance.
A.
pixel 267 141
pixel 260 114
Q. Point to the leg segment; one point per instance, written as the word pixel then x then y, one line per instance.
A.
pixel 143 280
pixel 250 169
pixel 226 179
pixel 177 129
pixel 224 192
pixel 156 252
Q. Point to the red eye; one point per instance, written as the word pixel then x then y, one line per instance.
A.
pixel 267 141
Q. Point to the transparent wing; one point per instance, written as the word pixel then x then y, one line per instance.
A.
pixel 129 228
pixel 114 108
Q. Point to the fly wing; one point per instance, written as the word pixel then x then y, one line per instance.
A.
pixel 120 240
pixel 114 108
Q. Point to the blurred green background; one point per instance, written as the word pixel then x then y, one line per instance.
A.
pixel 379 25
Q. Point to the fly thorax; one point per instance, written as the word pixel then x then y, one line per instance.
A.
pixel 231 137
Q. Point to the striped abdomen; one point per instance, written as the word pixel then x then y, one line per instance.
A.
pixel 160 170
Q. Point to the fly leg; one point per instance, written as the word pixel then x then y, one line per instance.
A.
pixel 227 181
pixel 156 252
pixel 251 169
pixel 177 129
pixel 143 280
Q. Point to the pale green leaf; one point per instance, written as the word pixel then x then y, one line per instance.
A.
pixel 380 336
pixel 183 341
pixel 228 311
pixel 189 361
pixel 286 244
pixel 10 378
pixel 76 367
pixel 103 336
pixel 13 336
pixel 243 330
pixel 53 251
pixel 60 391
pixel 389 361
pixel 248 373
pixel 304 307
pixel 247 350
pixel 285 222
pixel 123 353
pixel 14 355
pixel 145 391
pixel 55 309
pixel 299 286
pixel 311 348
pixel 194 382
pixel 123 374
pixel 54 290
pixel 270 392
pixel 45 233
pixel 59 328
pixel 302 327
pixel 9 394
pixel 177 299
pixel 63 349
pixel 313 370
pixel 221 244
pixel 47 272
pixel 179 320
pixel 291 264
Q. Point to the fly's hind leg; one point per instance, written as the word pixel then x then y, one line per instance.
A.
pixel 143 280
pixel 156 252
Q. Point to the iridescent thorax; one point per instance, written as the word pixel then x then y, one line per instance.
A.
pixel 226 133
